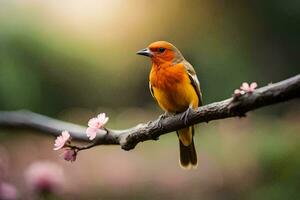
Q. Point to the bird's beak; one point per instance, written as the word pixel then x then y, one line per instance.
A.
pixel 145 52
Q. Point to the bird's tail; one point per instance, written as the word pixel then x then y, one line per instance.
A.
pixel 188 155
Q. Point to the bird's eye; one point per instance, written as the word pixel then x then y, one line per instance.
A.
pixel 161 50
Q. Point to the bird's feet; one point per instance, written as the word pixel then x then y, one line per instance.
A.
pixel 160 118
pixel 185 114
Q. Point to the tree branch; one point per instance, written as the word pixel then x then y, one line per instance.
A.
pixel 129 138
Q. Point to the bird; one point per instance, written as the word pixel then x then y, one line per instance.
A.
pixel 174 85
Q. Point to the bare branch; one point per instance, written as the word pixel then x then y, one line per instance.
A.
pixel 129 138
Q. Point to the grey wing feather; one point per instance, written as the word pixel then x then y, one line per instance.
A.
pixel 194 80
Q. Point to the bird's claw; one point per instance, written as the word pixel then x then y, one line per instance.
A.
pixel 160 118
pixel 185 115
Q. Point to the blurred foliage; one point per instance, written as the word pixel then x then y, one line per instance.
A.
pixel 73 59
pixel 57 56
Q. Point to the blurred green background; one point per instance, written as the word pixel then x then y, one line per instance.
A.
pixel 73 59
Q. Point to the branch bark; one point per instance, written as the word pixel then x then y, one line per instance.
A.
pixel 129 138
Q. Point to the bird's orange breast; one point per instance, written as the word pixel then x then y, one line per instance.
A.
pixel 172 88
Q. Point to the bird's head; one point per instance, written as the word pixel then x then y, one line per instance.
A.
pixel 162 52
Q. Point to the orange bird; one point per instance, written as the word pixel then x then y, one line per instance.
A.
pixel 175 86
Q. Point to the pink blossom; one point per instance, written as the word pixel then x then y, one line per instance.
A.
pixel 8 191
pixel 245 88
pixel 44 176
pixel 62 140
pixel 70 155
pixel 95 124
pixel 248 88
pixel 98 122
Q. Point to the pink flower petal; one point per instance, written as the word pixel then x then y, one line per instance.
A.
pixel 245 86
pixel 61 140
pixel 253 86
pixel 105 121
pixel 65 135
pixel 102 119
pixel 101 116
pixel 91 132
pixel 93 123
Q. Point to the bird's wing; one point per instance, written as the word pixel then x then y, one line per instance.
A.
pixel 194 80
pixel 151 90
